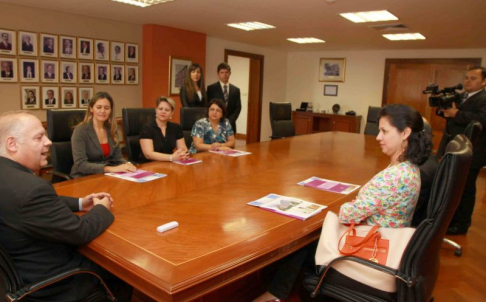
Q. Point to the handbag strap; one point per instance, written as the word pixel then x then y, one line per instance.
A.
pixel 372 235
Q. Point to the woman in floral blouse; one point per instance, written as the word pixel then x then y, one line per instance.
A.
pixel 213 132
pixel 388 199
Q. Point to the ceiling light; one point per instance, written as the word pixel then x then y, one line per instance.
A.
pixel 250 25
pixel 400 37
pixel 306 40
pixel 142 3
pixel 373 16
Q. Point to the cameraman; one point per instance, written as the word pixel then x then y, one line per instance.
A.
pixel 473 107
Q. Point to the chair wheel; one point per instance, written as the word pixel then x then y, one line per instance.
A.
pixel 458 253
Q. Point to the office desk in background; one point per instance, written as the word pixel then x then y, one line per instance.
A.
pixel 220 238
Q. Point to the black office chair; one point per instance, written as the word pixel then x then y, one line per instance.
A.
pixel 13 289
pixel 281 120
pixel 189 116
pixel 60 126
pixel 133 120
pixel 371 127
pixel 419 267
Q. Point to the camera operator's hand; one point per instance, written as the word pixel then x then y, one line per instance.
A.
pixel 451 112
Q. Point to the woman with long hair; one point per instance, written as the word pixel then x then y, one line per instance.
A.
pixel 193 92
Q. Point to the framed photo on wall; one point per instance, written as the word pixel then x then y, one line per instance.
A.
pixel 177 73
pixel 28 43
pixel 9 70
pixel 102 52
pixel 117 74
pixel 117 52
pixel 102 73
pixel 48 45
pixel 68 71
pixel 69 97
pixel 67 47
pixel 50 97
pixel 85 49
pixel 332 70
pixel 30 97
pixel 29 70
pixel 85 72
pixel 49 71
pixel 131 52
pixel 85 94
pixel 8 42
pixel 131 74
pixel 331 90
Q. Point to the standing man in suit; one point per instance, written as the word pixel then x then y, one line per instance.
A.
pixel 473 108
pixel 39 229
pixel 67 75
pixel 223 90
pixel 5 44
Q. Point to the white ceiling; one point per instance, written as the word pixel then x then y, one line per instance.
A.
pixel 445 23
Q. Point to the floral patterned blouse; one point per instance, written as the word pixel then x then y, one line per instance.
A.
pixel 388 199
pixel 202 129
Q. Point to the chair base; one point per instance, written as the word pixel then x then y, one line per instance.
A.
pixel 458 251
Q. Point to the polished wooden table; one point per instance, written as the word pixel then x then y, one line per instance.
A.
pixel 220 238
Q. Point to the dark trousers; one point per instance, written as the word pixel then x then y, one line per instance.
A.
pixel 463 214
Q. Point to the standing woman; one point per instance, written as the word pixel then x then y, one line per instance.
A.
pixel 160 139
pixel 95 144
pixel 213 132
pixel 193 93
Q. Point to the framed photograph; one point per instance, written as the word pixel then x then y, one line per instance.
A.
pixel 177 73
pixel 50 97
pixel 48 45
pixel 331 90
pixel 85 72
pixel 117 51
pixel 131 53
pixel 49 71
pixel 30 97
pixel 69 97
pixel 102 52
pixel 8 42
pixel 29 70
pixel 85 94
pixel 67 47
pixel 102 73
pixel 28 43
pixel 9 70
pixel 332 70
pixel 131 74
pixel 68 71
pixel 117 74
pixel 85 49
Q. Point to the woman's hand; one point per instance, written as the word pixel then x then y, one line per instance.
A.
pixel 180 154
pixel 127 167
pixel 223 148
pixel 215 146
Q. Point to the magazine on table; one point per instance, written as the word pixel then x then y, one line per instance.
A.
pixel 139 176
pixel 328 185
pixel 233 153
pixel 186 162
pixel 288 206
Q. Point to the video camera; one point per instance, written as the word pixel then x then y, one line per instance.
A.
pixel 443 98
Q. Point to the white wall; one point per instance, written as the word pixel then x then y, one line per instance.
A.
pixel 274 73
pixel 364 76
pixel 240 77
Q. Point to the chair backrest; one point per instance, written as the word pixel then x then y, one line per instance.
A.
pixel 133 120
pixel 371 127
pixel 281 120
pixel 473 130
pixel 60 126
pixel 189 116
pixel 421 260
pixel 9 280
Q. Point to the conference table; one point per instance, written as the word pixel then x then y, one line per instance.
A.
pixel 220 238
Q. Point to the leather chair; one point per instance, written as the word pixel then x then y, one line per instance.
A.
pixel 13 289
pixel 281 120
pixel 189 116
pixel 60 126
pixel 371 127
pixel 419 267
pixel 133 120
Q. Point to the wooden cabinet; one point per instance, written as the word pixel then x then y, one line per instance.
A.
pixel 309 122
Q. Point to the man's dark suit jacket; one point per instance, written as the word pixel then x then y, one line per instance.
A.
pixel 67 76
pixel 27 47
pixel 5 47
pixel 46 101
pixel 102 77
pixel 4 74
pixel 48 49
pixel 233 107
pixel 41 233
pixel 86 76
pixel 46 75
pixel 117 77
pixel 474 108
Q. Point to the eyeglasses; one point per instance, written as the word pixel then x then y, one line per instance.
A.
pixel 216 110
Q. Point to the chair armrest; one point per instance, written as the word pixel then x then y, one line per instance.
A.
pixel 31 288
pixel 60 174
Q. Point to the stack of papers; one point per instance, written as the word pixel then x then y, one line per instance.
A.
pixel 189 161
pixel 137 176
pixel 328 185
pixel 288 206
pixel 233 153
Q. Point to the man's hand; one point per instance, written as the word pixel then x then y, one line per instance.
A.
pixel 93 199
pixel 451 112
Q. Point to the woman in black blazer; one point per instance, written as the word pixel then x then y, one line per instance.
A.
pixel 193 92
pixel 95 144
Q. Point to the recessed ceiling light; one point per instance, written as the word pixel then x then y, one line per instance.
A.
pixel 306 40
pixel 374 16
pixel 401 37
pixel 251 25
pixel 142 3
